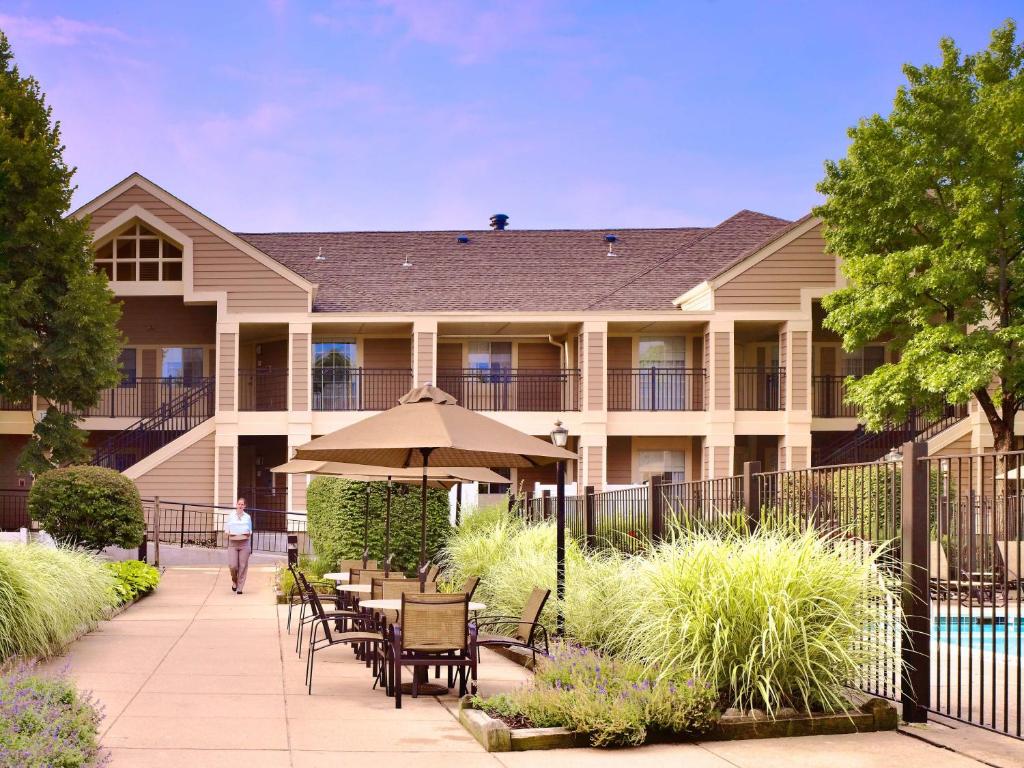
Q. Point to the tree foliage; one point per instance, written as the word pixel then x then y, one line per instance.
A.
pixel 58 325
pixel 926 212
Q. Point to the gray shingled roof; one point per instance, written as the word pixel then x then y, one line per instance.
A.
pixel 512 270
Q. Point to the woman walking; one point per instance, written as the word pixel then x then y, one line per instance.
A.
pixel 238 528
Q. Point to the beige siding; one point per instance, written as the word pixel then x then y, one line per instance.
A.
pixel 226 374
pixel 539 357
pixel 186 476
pixel 424 358
pixel 300 371
pixel 798 455
pixel 595 465
pixel 783 364
pixel 388 354
pixel 226 475
pixel 217 265
pixel 799 371
pixel 959 447
pixel 298 493
pixel 166 320
pixel 595 369
pixel 776 280
pixel 620 460
pixel 620 352
pixel 723 366
pixel 449 356
pixel 722 464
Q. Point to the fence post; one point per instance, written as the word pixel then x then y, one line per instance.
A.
pixel 156 532
pixel 590 516
pixel 182 540
pixel 528 506
pixel 916 683
pixel 546 505
pixel 752 494
pixel 656 508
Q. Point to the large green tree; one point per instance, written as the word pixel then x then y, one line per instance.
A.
pixel 927 213
pixel 58 325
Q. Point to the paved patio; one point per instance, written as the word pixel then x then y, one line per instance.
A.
pixel 195 675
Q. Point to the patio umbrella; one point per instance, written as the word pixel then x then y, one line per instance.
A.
pixel 438 477
pixel 427 426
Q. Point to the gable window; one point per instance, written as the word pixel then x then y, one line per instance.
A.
pixel 139 254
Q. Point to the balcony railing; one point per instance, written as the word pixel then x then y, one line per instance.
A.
pixel 263 389
pixel 6 404
pixel 141 396
pixel 760 389
pixel 828 393
pixel 359 389
pixel 656 389
pixel 512 389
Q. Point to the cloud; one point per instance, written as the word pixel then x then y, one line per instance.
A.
pixel 56 31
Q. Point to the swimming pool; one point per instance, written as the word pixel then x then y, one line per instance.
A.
pixel 985 634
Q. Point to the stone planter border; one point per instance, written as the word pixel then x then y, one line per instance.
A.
pixel 870 714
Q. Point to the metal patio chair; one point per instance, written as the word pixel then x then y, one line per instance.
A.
pixel 523 631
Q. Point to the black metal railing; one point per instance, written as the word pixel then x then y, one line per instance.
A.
pixel 828 397
pixel 263 389
pixel 656 389
pixel 14 509
pixel 170 420
pixel 702 504
pixel 621 520
pixel 863 446
pixel 185 523
pixel 140 396
pixel 760 389
pixel 9 404
pixel 359 389
pixel 513 389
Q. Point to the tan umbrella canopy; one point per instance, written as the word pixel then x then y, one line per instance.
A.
pixel 438 477
pixel 428 427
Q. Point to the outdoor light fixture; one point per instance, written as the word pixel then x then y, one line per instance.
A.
pixel 559 437
pixel 894 454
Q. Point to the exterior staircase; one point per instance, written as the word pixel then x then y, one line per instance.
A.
pixel 170 420
pixel 861 446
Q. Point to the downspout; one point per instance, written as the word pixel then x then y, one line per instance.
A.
pixel 563 347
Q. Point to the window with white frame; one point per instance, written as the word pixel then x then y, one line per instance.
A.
pixel 139 254
pixel 657 462
pixel 182 363
pixel 662 352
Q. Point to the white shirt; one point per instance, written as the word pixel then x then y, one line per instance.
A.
pixel 237 525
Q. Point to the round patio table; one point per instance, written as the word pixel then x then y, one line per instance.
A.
pixel 336 576
pixel 360 589
pixel 396 605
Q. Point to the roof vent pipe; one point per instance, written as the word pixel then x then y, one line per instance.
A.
pixel 320 254
pixel 499 221
pixel 463 238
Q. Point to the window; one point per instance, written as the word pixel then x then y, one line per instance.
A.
pixel 663 352
pixel 139 254
pixel 184 363
pixel 658 462
pixel 497 487
pixel 865 360
pixel 490 355
pixel 127 361
pixel 334 354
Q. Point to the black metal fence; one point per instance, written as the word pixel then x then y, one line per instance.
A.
pixel 513 389
pixel 139 396
pixel 14 509
pixel 187 524
pixel 828 397
pixel 358 389
pixel 656 389
pixel 7 404
pixel 760 389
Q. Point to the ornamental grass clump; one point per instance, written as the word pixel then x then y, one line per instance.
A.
pixel 613 702
pixel 48 596
pixel 771 619
pixel 46 723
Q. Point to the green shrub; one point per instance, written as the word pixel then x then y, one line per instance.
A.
pixel 312 567
pixel 133 578
pixel 335 514
pixel 46 723
pixel 614 702
pixel 91 507
pixel 48 596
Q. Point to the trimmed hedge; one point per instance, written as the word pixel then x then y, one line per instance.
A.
pixel 335 513
pixel 90 507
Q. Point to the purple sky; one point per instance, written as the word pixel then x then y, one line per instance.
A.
pixel 424 114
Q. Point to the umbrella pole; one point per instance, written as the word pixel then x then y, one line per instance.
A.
pixel 425 452
pixel 366 525
pixel 387 531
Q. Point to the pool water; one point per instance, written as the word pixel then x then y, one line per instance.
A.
pixel 980 634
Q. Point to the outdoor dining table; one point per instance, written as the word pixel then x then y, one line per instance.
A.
pixel 336 576
pixel 362 589
pixel 396 605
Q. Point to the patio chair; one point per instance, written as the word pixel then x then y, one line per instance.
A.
pixel 469 586
pixel 296 595
pixel 432 571
pixel 1010 554
pixel 341 615
pixel 959 585
pixel 523 631
pixel 322 621
pixel 346 565
pixel 433 630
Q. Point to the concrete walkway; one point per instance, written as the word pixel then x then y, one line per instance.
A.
pixel 197 676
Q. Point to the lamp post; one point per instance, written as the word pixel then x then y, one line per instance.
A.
pixel 559 437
